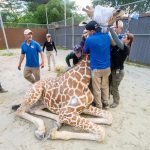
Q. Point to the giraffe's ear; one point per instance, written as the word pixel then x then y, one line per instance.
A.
pixel 89 11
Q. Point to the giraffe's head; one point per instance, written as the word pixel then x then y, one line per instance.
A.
pixel 102 14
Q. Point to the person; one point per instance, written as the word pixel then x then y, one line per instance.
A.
pixel 118 27
pixel 31 50
pixel 76 55
pixel 49 44
pixel 84 36
pixel 120 51
pixel 98 45
pixel 2 90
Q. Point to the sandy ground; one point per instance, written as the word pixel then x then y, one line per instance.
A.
pixel 129 131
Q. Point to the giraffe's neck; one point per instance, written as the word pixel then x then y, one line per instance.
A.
pixel 83 69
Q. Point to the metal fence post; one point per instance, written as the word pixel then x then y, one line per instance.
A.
pixel 72 30
pixel 5 38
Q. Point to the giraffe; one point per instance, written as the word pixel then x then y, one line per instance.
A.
pixel 66 97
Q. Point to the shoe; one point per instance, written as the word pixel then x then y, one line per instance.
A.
pixel 3 90
pixel 106 106
pixel 113 105
pixel 15 107
pixel 49 69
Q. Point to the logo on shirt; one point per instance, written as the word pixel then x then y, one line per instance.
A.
pixel 32 46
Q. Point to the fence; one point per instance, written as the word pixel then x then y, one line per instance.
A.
pixel 140 51
pixel 15 36
pixel 67 36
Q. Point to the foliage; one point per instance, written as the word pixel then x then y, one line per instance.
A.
pixel 141 7
pixel 55 11
pixel 12 10
pixel 34 11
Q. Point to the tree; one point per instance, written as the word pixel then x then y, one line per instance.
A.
pixel 55 11
pixel 12 10
pixel 141 7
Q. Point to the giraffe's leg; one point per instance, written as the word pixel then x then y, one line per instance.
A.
pixel 105 117
pixel 96 131
pixel 66 135
pixel 46 114
pixel 31 98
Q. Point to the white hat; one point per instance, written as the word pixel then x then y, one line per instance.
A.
pixel 48 34
pixel 27 31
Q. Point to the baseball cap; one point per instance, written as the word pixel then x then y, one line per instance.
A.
pixel 77 48
pixel 48 34
pixel 27 31
pixel 92 25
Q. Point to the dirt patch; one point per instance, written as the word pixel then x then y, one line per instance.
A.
pixel 129 131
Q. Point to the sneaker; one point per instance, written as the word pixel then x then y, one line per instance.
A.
pixel 15 107
pixel 113 105
pixel 3 90
pixel 49 69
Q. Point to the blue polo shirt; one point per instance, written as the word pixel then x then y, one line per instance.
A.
pixel 32 53
pixel 98 45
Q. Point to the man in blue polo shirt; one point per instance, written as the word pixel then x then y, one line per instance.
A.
pixel 98 45
pixel 31 50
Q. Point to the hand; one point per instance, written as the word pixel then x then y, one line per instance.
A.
pixel 19 67
pixel 111 21
pixel 42 65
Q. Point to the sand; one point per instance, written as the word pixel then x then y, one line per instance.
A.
pixel 131 123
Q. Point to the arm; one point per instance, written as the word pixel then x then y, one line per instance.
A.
pixel 68 57
pixel 54 47
pixel 86 46
pixel 44 46
pixel 42 59
pixel 20 61
pixel 116 39
pixel 39 50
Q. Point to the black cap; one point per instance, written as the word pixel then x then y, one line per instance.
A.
pixel 92 25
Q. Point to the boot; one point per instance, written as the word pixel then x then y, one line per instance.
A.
pixel 114 105
pixel 105 106
pixel 2 90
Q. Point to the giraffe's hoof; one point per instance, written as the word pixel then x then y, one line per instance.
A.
pixel 39 135
pixel 57 125
pixel 53 134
